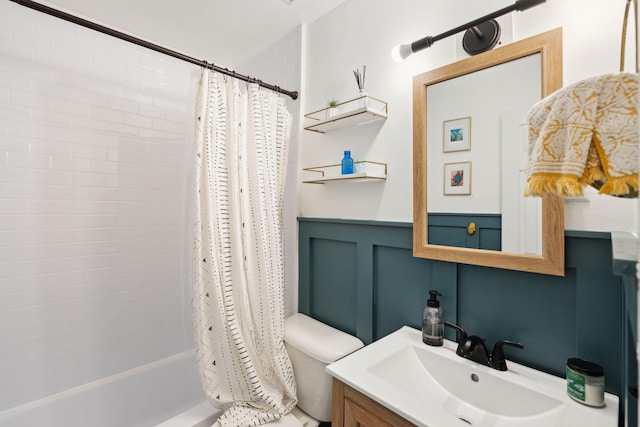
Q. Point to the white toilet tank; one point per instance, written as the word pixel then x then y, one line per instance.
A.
pixel 312 345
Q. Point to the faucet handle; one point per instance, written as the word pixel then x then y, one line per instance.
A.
pixel 463 333
pixel 463 337
pixel 471 343
pixel 497 356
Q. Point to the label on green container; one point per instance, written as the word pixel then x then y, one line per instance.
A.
pixel 575 385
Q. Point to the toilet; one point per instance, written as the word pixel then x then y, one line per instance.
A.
pixel 312 345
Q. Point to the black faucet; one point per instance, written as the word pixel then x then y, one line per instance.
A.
pixel 473 348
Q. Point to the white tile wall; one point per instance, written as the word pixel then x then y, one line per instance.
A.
pixel 94 139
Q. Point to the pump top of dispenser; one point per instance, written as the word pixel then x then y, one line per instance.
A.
pixel 433 299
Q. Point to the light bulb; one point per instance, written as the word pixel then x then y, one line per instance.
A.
pixel 401 52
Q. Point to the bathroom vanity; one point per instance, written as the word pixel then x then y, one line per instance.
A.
pixel 399 381
pixel 353 409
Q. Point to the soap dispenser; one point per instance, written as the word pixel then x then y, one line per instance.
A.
pixel 433 321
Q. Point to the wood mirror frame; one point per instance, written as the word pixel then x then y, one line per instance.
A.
pixel 551 261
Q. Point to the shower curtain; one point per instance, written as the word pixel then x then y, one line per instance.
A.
pixel 242 141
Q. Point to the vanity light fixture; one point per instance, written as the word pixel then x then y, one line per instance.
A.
pixel 482 34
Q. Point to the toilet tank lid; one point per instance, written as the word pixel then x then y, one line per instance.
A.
pixel 318 340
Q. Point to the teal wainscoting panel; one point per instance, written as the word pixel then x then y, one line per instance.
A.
pixel 451 230
pixel 625 258
pixel 599 306
pixel 536 310
pixel 444 278
pixel 390 285
pixel 361 277
pixel 399 290
pixel 333 269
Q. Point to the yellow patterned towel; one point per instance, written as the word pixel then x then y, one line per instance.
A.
pixel 586 134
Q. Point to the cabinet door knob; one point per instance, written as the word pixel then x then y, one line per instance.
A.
pixel 471 228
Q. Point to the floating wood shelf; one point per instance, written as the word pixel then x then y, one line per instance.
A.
pixel 364 170
pixel 354 112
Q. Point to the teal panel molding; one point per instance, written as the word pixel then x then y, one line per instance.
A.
pixel 334 296
pixel 535 310
pixel 361 277
pixel 449 229
pixel 625 259
pixel 343 280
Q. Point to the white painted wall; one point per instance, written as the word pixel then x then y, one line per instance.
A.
pixel 364 31
pixel 228 32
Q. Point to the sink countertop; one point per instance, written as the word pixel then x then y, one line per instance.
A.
pixel 378 371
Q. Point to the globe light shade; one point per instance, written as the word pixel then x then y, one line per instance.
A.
pixel 401 52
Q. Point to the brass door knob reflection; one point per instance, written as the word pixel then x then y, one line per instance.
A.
pixel 471 228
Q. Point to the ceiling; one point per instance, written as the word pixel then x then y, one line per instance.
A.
pixel 225 32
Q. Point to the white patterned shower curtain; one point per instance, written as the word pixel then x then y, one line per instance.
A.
pixel 242 145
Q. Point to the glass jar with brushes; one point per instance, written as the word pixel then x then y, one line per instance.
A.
pixel 364 101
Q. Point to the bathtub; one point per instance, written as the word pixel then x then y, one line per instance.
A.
pixel 145 396
pixel 201 415
pixel 204 415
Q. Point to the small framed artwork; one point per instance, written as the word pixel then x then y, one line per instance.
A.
pixel 457 178
pixel 457 135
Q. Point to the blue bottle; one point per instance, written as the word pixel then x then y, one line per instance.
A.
pixel 347 163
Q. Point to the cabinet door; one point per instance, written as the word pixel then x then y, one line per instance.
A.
pixel 356 416
pixel 353 409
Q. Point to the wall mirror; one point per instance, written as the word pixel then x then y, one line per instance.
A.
pixel 469 154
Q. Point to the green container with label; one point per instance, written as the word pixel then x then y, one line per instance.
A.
pixel 585 382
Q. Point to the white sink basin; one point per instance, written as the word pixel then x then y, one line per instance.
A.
pixel 432 386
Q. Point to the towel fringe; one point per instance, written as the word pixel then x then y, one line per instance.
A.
pixel 563 185
pixel 626 186
pixel 622 186
pixel 593 174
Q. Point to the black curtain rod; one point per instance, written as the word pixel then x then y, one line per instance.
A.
pixel 126 37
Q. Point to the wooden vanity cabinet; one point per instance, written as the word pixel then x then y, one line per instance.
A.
pixel 353 409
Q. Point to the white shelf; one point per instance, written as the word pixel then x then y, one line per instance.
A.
pixel 354 112
pixel 364 170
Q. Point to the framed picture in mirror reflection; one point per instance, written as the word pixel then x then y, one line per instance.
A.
pixel 457 179
pixel 457 135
